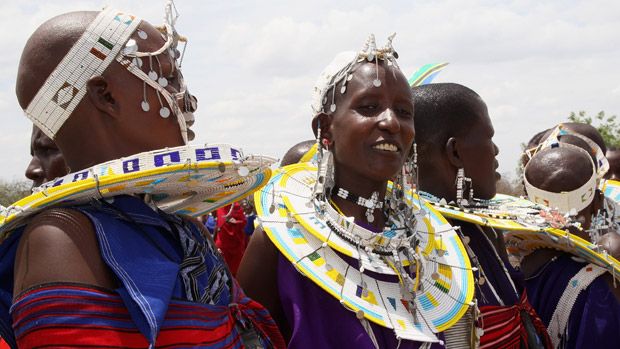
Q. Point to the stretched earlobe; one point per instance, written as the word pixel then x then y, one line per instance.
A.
pixel 322 121
pixel 452 153
pixel 100 95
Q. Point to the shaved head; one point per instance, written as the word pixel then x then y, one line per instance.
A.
pixel 296 152
pixel 442 111
pixel 559 169
pixel 45 49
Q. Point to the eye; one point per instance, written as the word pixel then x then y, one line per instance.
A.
pixel 369 108
pixel 407 113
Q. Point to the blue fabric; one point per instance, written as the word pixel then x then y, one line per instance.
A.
pixel 594 320
pixel 151 253
pixel 249 226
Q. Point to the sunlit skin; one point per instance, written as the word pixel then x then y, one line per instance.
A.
pixel 47 161
pixel 365 117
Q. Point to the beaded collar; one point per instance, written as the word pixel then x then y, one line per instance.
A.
pixel 190 180
pixel 526 227
pixel 430 277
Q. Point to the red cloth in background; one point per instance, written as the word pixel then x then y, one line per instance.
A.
pixel 3 344
pixel 230 237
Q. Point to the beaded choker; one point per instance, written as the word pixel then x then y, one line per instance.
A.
pixel 370 204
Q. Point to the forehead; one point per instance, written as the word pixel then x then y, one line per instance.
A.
pixel 480 117
pixel 390 76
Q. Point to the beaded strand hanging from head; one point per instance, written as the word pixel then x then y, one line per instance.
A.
pixel 107 39
pixel 333 80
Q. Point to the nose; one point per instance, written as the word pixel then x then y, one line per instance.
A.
pixel 389 121
pixel 495 148
pixel 35 172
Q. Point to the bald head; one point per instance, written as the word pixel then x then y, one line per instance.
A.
pixel 45 49
pixel 296 152
pixel 559 169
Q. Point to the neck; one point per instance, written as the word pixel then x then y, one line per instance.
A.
pixel 438 182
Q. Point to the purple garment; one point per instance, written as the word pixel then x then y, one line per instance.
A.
pixel 594 320
pixel 318 320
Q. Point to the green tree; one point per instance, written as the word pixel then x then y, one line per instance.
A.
pixel 607 126
pixel 11 191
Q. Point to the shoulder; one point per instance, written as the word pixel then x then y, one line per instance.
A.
pixel 59 245
pixel 258 276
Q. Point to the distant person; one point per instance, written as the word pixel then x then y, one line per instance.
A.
pixel 577 301
pixel 230 237
pixel 296 152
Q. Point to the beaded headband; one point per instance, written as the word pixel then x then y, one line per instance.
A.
pixel 568 201
pixel 340 71
pixel 108 38
pixel 90 56
pixel 602 164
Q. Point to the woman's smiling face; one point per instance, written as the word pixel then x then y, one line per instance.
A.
pixel 372 128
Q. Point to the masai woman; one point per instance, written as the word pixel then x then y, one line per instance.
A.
pixel 361 286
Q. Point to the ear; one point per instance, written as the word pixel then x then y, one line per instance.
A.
pixel 322 121
pixel 452 153
pixel 101 96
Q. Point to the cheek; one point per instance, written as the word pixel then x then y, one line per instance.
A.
pixel 408 132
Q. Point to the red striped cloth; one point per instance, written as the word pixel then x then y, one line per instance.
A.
pixel 503 326
pixel 81 316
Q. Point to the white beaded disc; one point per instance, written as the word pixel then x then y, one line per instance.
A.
pixel 164 112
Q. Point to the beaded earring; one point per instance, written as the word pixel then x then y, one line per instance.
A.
pixel 325 175
pixel 461 180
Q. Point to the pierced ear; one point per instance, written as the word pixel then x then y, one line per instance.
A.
pixel 100 95
pixel 324 122
pixel 452 153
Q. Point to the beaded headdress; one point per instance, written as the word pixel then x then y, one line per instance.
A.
pixel 106 39
pixel 602 164
pixel 339 72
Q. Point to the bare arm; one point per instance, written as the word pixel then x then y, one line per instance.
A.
pixel 258 276
pixel 60 245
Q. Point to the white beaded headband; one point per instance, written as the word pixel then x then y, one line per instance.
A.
pixel 567 201
pixel 90 56
pixel 340 71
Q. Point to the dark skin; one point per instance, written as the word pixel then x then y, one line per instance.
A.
pixel 613 156
pixel 111 109
pixel 296 152
pixel 47 161
pixel 107 124
pixel 473 150
pixel 365 117
pixel 565 169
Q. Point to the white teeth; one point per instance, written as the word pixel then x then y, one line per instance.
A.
pixel 386 147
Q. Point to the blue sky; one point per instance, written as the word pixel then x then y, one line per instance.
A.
pixel 253 64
